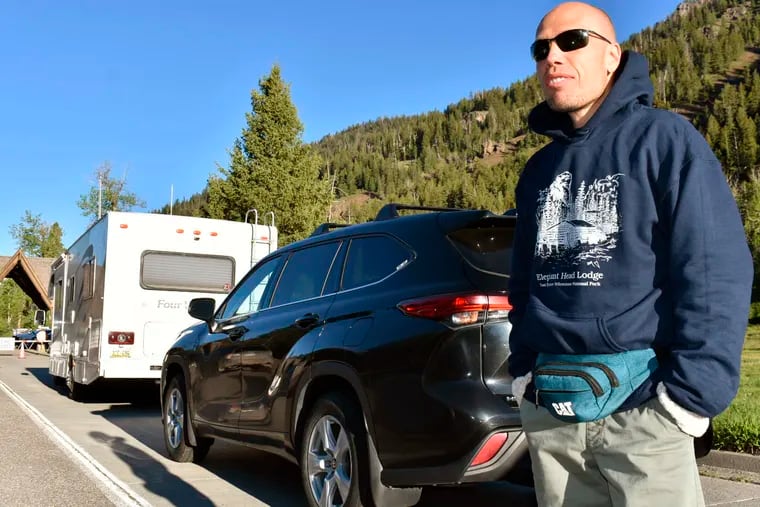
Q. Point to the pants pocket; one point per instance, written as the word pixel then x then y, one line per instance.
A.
pixel 660 413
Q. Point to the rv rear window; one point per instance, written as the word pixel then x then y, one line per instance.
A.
pixel 187 272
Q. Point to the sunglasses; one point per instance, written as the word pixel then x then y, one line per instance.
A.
pixel 569 40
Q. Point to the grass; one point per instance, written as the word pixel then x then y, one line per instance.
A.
pixel 738 428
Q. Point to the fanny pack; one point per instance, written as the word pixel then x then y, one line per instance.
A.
pixel 587 387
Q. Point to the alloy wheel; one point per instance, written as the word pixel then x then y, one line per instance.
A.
pixel 329 462
pixel 175 417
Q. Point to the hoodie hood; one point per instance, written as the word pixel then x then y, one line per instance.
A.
pixel 632 86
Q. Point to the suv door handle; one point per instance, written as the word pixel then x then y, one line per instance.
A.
pixel 235 332
pixel 307 321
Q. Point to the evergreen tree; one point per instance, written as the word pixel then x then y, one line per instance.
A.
pixel 52 244
pixel 749 204
pixel 713 134
pixel 271 169
pixel 746 130
pixel 190 207
pixel 753 94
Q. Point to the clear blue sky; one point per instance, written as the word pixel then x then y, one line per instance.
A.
pixel 160 88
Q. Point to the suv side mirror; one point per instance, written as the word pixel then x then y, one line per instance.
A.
pixel 202 309
pixel 39 317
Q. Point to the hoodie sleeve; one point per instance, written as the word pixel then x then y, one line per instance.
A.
pixel 710 276
pixel 521 357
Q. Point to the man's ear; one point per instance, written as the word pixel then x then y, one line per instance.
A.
pixel 612 58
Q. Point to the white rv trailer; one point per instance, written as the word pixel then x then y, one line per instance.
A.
pixel 120 292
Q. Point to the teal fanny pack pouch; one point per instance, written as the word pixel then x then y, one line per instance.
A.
pixel 587 387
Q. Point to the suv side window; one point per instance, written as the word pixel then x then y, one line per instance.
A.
pixel 372 258
pixel 251 294
pixel 304 274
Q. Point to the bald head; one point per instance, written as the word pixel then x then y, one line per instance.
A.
pixel 576 55
pixel 579 15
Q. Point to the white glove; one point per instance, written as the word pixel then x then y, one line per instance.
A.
pixel 518 386
pixel 689 422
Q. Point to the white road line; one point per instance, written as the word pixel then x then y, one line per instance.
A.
pixel 116 491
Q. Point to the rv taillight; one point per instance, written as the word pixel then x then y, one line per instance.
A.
pixel 180 231
pixel 121 338
pixel 459 309
pixel 197 232
pixel 214 234
pixel 123 226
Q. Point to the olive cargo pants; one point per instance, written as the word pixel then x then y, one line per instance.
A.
pixel 635 458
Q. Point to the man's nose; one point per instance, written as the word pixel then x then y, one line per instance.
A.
pixel 555 53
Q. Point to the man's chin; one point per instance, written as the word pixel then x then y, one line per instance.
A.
pixel 561 106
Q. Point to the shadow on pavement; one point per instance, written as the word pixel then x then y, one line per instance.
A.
pixel 155 476
pixel 271 479
pixel 45 378
pixel 266 477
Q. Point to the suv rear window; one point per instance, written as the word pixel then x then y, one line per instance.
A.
pixel 486 248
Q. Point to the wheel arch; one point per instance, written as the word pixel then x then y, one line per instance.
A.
pixel 172 369
pixel 326 377
pixel 335 376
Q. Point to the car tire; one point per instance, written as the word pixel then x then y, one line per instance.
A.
pixel 334 454
pixel 175 420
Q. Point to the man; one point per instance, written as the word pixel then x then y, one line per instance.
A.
pixel 628 238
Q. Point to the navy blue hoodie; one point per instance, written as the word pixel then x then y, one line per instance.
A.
pixel 628 237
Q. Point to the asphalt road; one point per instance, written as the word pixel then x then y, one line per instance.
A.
pixel 109 451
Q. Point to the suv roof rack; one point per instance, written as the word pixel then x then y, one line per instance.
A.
pixel 391 210
pixel 327 227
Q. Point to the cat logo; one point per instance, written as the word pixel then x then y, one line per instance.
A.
pixel 564 408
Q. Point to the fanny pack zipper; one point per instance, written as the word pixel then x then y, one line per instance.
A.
pixel 606 369
pixel 595 387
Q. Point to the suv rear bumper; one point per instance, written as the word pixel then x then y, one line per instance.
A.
pixel 459 471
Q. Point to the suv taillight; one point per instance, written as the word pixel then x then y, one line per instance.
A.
pixel 459 309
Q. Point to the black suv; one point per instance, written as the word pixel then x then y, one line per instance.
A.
pixel 372 355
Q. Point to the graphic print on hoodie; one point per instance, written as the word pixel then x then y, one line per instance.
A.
pixel 576 230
